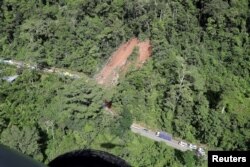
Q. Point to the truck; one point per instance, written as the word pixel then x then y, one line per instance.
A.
pixel 164 136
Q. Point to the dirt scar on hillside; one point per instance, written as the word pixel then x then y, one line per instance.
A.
pixel 110 72
pixel 145 51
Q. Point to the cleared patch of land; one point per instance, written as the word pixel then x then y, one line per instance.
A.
pixel 110 72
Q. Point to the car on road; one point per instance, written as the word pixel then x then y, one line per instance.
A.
pixel 192 146
pixel 201 151
pixel 183 144
pixel 8 61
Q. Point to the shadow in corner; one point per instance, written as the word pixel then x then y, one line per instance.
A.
pixel 88 158
pixel 110 145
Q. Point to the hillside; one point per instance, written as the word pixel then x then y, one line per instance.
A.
pixel 195 84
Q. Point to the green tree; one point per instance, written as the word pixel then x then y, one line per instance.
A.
pixel 25 140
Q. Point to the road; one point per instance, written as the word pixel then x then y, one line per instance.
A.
pixel 151 135
pixel 134 127
pixel 59 71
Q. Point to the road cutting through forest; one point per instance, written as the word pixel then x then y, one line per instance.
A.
pixel 109 74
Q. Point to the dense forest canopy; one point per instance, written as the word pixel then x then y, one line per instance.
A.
pixel 196 84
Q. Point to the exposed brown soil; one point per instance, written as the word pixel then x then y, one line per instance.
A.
pixel 110 73
pixel 144 52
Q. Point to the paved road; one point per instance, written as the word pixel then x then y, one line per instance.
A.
pixel 134 127
pixel 151 135
pixel 59 71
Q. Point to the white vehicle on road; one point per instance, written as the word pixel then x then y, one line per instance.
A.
pixel 201 151
pixel 183 144
pixel 8 62
pixel 192 146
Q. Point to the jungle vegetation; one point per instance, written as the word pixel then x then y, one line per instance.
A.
pixel 196 85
